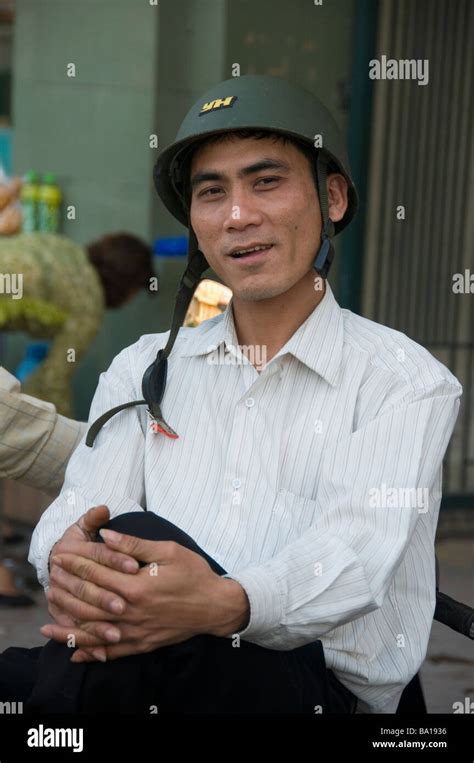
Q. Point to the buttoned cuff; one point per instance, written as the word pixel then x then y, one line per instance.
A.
pixel 264 599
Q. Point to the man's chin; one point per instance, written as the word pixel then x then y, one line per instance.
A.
pixel 258 293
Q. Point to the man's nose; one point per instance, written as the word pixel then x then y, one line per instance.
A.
pixel 242 210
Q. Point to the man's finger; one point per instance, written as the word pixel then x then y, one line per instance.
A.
pixel 116 560
pixel 105 632
pixel 130 645
pixel 61 618
pixel 148 551
pixel 105 604
pixel 86 569
pixel 93 519
pixel 76 608
pixel 71 636
pixel 87 655
pixel 101 554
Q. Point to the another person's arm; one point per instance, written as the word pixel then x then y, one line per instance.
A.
pixel 35 441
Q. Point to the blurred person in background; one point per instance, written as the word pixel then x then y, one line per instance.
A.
pixel 59 291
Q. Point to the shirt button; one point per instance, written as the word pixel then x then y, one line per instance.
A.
pixel 236 483
pixel 250 402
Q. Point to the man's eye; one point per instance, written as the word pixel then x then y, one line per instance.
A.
pixel 215 190
pixel 208 191
pixel 268 180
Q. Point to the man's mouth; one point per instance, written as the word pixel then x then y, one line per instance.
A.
pixel 250 252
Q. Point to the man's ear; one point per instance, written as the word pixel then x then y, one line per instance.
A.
pixel 337 196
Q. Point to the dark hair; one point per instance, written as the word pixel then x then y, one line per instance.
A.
pixel 246 132
pixel 124 263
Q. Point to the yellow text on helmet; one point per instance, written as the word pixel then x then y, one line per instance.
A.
pixel 218 103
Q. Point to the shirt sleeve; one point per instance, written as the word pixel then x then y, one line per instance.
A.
pixel 342 566
pixel 109 473
pixel 35 441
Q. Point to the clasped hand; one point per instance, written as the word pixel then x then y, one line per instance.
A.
pixel 109 607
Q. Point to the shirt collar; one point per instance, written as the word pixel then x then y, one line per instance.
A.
pixel 317 343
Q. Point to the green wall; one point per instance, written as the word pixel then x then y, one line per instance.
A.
pixel 92 129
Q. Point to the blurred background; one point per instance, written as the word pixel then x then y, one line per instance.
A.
pixel 139 65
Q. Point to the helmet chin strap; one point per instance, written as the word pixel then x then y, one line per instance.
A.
pixel 325 254
pixel 154 378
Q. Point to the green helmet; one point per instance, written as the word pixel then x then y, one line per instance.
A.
pixel 258 102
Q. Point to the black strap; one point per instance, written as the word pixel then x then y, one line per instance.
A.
pixel 188 284
pixel 99 423
pixel 325 254
pixel 154 378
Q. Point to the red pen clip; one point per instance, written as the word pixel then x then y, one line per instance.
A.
pixel 160 425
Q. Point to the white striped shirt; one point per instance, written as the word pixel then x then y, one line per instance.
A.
pixel 316 483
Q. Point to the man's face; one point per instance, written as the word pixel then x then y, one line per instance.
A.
pixel 248 192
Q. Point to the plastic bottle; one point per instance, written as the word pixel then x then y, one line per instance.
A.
pixel 29 198
pixel 49 205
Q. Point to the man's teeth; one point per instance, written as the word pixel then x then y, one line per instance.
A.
pixel 254 249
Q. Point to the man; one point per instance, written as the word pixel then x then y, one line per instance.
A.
pixel 278 474
pixel 59 291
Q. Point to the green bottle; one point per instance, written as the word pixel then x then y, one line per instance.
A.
pixel 49 205
pixel 29 198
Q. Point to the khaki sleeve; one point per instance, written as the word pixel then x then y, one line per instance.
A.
pixel 35 441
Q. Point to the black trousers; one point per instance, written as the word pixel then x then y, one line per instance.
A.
pixel 205 674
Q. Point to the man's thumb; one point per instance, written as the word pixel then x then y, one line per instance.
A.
pixel 93 519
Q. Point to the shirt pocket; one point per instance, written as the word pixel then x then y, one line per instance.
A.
pixel 291 516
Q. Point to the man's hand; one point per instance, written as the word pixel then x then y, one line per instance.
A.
pixel 94 603
pixel 173 598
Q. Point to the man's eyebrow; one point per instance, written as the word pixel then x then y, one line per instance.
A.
pixel 263 164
